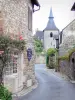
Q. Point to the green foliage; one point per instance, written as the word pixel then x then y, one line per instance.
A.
pixel 51 52
pixel 70 52
pixel 5 94
pixel 67 56
pixel 50 59
pixel 51 63
pixel 47 60
pixel 6 42
pixel 38 45
pixel 6 45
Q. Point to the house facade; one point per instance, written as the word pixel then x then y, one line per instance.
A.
pixel 67 67
pixel 67 43
pixel 16 22
pixel 67 38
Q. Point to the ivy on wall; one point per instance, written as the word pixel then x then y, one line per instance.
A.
pixel 50 61
pixel 67 56
pixel 51 52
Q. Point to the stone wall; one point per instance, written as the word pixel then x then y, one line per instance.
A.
pixel 67 67
pixel 14 16
pixel 64 67
pixel 68 44
pixel 40 59
pixel 68 39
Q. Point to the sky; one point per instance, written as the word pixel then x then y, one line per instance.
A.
pixel 61 11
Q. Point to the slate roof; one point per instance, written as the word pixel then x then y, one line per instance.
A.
pixel 73 7
pixel 51 24
pixel 39 34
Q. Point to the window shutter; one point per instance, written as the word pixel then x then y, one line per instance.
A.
pixel 1 24
pixel 29 19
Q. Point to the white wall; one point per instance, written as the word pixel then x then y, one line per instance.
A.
pixel 49 42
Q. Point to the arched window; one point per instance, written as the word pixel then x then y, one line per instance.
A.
pixel 51 34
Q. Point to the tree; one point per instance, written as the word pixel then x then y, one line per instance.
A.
pixel 38 45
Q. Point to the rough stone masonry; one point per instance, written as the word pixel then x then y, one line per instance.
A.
pixel 14 22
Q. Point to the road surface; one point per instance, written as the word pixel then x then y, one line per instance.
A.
pixel 51 87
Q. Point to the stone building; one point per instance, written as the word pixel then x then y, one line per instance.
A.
pixel 16 21
pixel 39 35
pixel 67 43
pixel 67 38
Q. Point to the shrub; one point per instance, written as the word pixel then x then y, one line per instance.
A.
pixel 50 61
pixel 66 57
pixel 5 94
pixel 51 52
pixel 47 60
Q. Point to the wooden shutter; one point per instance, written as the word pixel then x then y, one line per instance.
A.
pixel 29 19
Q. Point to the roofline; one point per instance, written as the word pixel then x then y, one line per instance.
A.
pixel 73 7
pixel 35 2
pixel 68 24
pixel 51 30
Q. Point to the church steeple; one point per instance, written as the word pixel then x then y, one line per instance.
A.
pixel 51 13
pixel 51 24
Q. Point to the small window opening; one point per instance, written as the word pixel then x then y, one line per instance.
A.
pixel 51 34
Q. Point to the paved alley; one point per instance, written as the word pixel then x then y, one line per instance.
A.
pixel 50 87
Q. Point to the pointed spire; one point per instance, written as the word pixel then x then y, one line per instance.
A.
pixel 51 24
pixel 51 13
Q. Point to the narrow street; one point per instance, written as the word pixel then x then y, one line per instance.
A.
pixel 50 87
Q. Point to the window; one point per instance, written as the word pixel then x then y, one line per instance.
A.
pixel 51 34
pixel 12 64
pixel 15 65
pixel 29 19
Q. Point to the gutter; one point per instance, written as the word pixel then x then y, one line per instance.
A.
pixel 36 3
pixel 36 10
